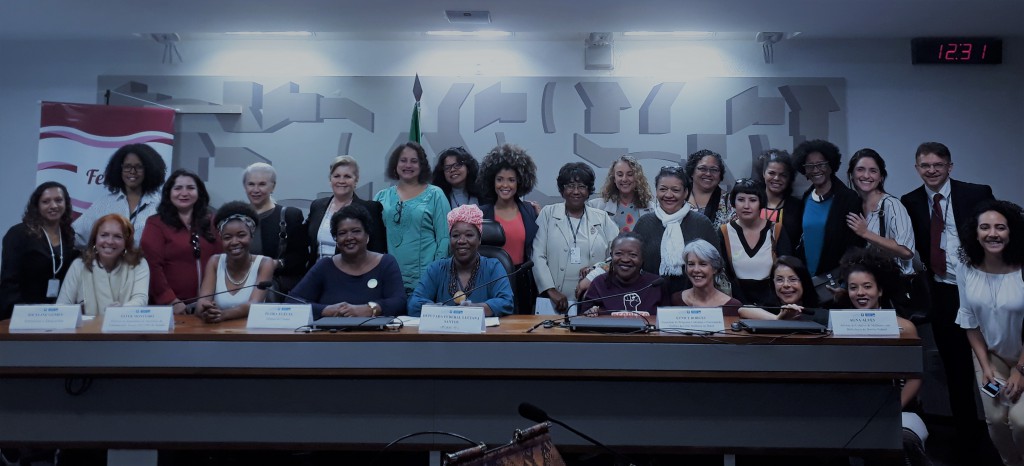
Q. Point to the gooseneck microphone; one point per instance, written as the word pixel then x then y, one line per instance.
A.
pixel 535 414
pixel 261 285
pixel 522 268
pixel 268 286
pixel 657 282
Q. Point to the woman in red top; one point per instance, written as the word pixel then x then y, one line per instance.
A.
pixel 178 240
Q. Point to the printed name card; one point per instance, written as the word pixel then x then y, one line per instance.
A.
pixel 279 316
pixel 46 317
pixel 149 319
pixel 863 323
pixel 452 319
pixel 701 319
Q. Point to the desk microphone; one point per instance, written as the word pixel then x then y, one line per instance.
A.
pixel 261 285
pixel 269 286
pixel 524 267
pixel 657 282
pixel 538 415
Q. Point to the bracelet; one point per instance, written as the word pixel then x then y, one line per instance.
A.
pixel 1020 368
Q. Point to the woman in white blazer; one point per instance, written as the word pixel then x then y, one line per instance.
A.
pixel 570 236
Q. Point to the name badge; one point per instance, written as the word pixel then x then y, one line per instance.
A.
pixel 575 255
pixel 46 317
pixel 148 319
pixel 279 316
pixel 863 323
pixel 452 319
pixel 685 319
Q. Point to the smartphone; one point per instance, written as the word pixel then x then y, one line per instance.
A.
pixel 992 388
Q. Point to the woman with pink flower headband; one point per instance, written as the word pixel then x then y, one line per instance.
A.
pixel 455 280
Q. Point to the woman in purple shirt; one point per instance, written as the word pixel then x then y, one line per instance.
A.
pixel 626 287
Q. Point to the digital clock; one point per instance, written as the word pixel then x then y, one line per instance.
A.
pixel 962 50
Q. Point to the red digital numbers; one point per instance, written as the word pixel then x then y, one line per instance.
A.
pixel 958 51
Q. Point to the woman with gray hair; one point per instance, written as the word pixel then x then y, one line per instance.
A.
pixel 278 234
pixel 231 275
pixel 703 262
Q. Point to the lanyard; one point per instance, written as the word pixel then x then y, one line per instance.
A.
pixel 138 208
pixel 578 225
pixel 53 258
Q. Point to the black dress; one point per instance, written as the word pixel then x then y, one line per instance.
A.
pixel 294 242
pixel 27 268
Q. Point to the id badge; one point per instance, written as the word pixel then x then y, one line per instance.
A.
pixel 574 255
pixel 52 288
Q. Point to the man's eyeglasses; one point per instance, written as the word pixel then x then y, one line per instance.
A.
pixel 132 168
pixel 937 166
pixel 813 167
pixel 196 251
pixel 454 166
pixel 398 213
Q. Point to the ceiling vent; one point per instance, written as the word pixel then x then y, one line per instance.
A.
pixel 468 17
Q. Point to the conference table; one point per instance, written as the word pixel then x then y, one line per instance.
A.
pixel 221 386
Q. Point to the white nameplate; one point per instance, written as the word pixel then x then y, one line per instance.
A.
pixel 863 323
pixel 701 319
pixel 46 317
pixel 281 316
pixel 452 319
pixel 149 319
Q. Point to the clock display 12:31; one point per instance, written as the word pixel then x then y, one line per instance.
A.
pixel 960 50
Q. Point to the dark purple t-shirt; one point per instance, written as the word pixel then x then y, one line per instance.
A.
pixel 607 285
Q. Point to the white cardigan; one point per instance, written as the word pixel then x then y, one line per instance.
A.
pixel 551 267
pixel 97 289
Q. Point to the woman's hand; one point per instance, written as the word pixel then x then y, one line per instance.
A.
pixel 209 312
pixel 558 300
pixel 790 311
pixel 536 206
pixel 594 311
pixel 344 309
pixel 1014 386
pixel 857 223
pixel 179 308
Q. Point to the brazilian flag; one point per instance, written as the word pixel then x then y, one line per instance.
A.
pixel 414 126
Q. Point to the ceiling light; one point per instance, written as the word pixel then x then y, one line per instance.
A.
pixel 470 33
pixel 675 34
pixel 271 33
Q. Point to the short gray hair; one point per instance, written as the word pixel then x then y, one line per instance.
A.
pixel 259 167
pixel 704 251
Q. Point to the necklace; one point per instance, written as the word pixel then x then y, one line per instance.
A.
pixel 248 270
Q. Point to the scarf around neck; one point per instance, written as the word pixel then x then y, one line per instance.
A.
pixel 672 241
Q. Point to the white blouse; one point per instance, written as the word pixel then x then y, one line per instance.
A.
pixel 897 227
pixel 995 304
pixel 241 296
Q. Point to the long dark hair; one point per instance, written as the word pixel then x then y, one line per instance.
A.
pixel 1013 251
pixel 810 297
pixel 34 220
pixel 472 169
pixel 200 211
pixel 153 168
pixel 506 156
pixel 882 268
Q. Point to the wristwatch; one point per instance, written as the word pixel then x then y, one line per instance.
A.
pixel 374 308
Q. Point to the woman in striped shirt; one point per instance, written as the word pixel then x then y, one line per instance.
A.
pixel 884 222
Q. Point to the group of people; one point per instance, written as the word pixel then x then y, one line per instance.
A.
pixel 754 248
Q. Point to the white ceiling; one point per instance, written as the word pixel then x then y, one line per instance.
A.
pixel 119 19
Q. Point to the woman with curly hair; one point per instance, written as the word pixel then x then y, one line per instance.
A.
pixel 111 271
pixel 991 311
pixel 508 173
pixel 38 251
pixel 414 213
pixel 626 194
pixel 179 240
pixel 133 176
pixel 455 173
pixel 827 203
pixel 706 169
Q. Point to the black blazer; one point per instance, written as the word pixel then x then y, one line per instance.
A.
pixel 965 197
pixel 378 234
pixel 839 238
pixel 27 268
pixel 793 220
pixel 529 215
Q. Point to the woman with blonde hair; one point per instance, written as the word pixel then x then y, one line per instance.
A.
pixel 626 194
pixel 344 177
pixel 111 271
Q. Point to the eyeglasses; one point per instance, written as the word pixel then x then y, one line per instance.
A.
pixel 398 213
pixel 813 167
pixel 711 170
pixel 746 182
pixel 132 168
pixel 937 166
pixel 575 187
pixel 196 251
pixel 787 280
pixel 673 169
pixel 454 166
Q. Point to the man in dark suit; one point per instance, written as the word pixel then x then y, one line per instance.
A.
pixel 935 209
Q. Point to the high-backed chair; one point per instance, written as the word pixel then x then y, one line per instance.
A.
pixel 491 241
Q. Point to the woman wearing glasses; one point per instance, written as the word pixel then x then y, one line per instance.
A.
pixel 827 203
pixel 793 291
pixel 179 240
pixel 508 173
pixel 278 234
pixel 344 177
pixel 414 213
pixel 706 169
pixel 626 194
pixel 455 173
pixel 571 237
pixel 883 220
pixel 671 227
pixel 133 176
pixel 778 174
pixel 751 244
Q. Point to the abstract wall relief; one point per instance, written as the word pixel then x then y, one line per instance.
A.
pixel 299 124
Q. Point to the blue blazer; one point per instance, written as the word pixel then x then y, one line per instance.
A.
pixel 433 287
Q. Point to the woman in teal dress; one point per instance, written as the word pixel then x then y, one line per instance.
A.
pixel 415 214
